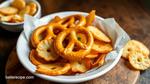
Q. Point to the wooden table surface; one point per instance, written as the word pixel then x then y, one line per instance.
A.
pixel 130 14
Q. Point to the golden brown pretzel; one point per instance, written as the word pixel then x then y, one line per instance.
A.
pixel 68 51
pixel 73 20
pixel 45 32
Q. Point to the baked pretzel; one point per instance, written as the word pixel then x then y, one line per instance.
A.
pixel 72 21
pixel 68 51
pixel 45 32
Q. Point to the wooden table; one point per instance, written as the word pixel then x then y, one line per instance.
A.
pixel 130 14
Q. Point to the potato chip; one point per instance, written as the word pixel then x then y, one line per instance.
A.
pixel 19 4
pixel 45 50
pixel 92 54
pixel 53 69
pixel 90 18
pixel 78 67
pixel 17 18
pixel 100 61
pixel 135 46
pixel 6 18
pixel 101 47
pixel 24 11
pixel 97 34
pixel 139 61
pixel 33 8
pixel 35 59
pixel 8 10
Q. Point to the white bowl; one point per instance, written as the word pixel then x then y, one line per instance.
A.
pixel 17 27
pixel 23 50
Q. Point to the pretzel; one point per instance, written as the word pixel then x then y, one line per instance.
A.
pixel 35 59
pixel 19 4
pixel 72 21
pixel 45 50
pixel 55 20
pixel 8 10
pixel 82 38
pixel 53 69
pixel 139 61
pixel 68 51
pixel 45 32
pixel 99 35
pixel 135 46
pixel 69 45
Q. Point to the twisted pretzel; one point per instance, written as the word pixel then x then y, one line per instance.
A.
pixel 68 51
pixel 45 32
pixel 72 21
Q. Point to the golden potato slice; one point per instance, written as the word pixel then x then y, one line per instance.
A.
pixel 17 18
pixel 53 69
pixel 78 67
pixel 101 47
pixel 135 46
pixel 19 4
pixel 35 59
pixel 90 18
pixel 93 54
pixel 98 34
pixel 99 61
pixel 6 18
pixel 46 51
pixel 8 10
pixel 33 8
pixel 24 11
pixel 139 61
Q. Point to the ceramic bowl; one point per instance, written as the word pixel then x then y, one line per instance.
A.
pixel 23 50
pixel 17 27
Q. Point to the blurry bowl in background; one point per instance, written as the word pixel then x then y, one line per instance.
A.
pixel 17 27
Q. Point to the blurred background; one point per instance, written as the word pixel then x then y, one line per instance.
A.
pixel 132 15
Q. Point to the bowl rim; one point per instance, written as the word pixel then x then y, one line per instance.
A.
pixel 53 78
pixel 19 23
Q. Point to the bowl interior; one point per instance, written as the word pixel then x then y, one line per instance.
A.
pixel 23 53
